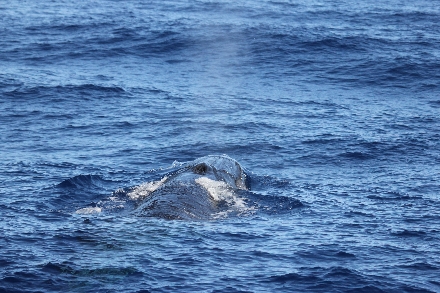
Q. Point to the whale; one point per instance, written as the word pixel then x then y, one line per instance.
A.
pixel 206 188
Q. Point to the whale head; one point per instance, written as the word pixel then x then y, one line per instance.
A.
pixel 197 190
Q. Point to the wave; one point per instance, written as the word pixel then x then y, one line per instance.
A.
pixel 411 233
pixel 65 268
pixel 52 276
pixel 421 266
pixel 71 194
pixel 85 90
pixel 337 279
pixel 332 279
pixel 357 155
pixel 273 204
pixel 82 181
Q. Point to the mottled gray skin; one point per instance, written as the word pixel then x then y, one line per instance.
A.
pixel 180 197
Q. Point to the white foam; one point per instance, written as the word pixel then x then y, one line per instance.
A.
pixel 145 189
pixel 221 191
pixel 90 210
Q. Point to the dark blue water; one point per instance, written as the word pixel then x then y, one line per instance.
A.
pixel 332 107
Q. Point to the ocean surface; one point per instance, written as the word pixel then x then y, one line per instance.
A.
pixel 331 107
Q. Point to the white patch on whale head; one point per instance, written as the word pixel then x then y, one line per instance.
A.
pixel 145 189
pixel 221 191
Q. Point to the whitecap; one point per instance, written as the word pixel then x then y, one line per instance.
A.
pixel 89 210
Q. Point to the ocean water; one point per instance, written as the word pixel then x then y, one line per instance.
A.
pixel 331 107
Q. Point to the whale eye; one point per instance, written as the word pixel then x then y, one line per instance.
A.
pixel 201 168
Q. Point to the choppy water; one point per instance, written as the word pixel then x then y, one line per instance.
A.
pixel 331 106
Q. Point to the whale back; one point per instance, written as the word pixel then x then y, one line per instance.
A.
pixel 197 190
